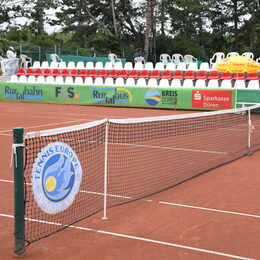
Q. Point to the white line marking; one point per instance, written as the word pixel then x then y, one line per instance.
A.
pixel 138 238
pixel 161 202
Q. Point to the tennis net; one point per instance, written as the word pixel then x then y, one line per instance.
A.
pixel 74 172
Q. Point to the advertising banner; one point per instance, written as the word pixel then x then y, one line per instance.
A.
pixel 171 98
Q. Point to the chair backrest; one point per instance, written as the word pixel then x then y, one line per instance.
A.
pixel 177 58
pixel 204 66
pixel 226 83
pixel 188 83
pixel 25 61
pixel 36 64
pixel 176 83
pixel 112 57
pixel 40 79
pixel 240 84
pixel 232 53
pixel 159 66
pixel 55 57
pixel 78 81
pixel 139 59
pixel 248 54
pixel 88 81
pixel 119 82
pixel 62 65
pixel 14 78
pixel 98 81
pixel 23 79
pixel 54 65
pixel 130 82
pixel 170 66
pixel 49 80
pixel 31 79
pixel 45 65
pixel 193 66
pixel 118 65
pixel 80 65
pixel 213 83
pixel 218 56
pixel 165 58
pixel 59 80
pixel 152 83
pixel 89 65
pixel 188 58
pixel 99 65
pixel 108 65
pixel 148 66
pixel 109 82
pixel 139 66
pixel 181 66
pixel 200 83
pixel 69 80
pixel 71 65
pixel 141 82
pixel 164 83
pixel 253 84
pixel 128 65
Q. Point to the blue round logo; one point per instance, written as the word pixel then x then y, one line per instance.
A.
pixel 56 177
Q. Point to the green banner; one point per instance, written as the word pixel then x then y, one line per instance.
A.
pixel 171 98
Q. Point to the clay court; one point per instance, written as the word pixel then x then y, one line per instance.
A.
pixel 213 216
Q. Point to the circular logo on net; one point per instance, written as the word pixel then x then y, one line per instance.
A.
pixel 152 97
pixel 56 177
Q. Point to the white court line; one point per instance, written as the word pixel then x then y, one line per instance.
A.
pixel 30 127
pixel 162 202
pixel 137 238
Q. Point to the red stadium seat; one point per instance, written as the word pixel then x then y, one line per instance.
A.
pixel 93 73
pixel 189 74
pixel 103 73
pixel 252 76
pixel 144 74
pixel 123 74
pixel 83 73
pixel 64 73
pixel 239 76
pixel 166 74
pixel 74 73
pixel 201 74
pixel 225 75
pixel 113 74
pixel 37 72
pixel 133 74
pixel 54 73
pixel 177 74
pixel 155 74
pixel 213 74
pixel 21 71
pixel 29 72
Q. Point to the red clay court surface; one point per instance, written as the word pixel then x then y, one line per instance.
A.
pixel 213 216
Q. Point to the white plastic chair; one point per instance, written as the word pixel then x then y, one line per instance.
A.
pixel 78 81
pixel 139 66
pixel 240 84
pixel 109 82
pixel 139 59
pixel 188 83
pixel 25 61
pixel 253 84
pixel 40 80
pixel 108 65
pixel 59 80
pixel 188 58
pixel 213 83
pixel 226 83
pixel 248 54
pixel 176 58
pixel 80 65
pixel 69 81
pixel 181 66
pixel 49 80
pixel 119 82
pixel 31 79
pixel 62 65
pixel 170 66
pixel 159 66
pixel 118 65
pixel 89 65
pixel 99 65
pixel 130 82
pixel 113 58
pixel 98 81
pixel 165 58
pixel 217 57
pixel 36 65
pixel 258 60
pixel 128 65
pixel 164 83
pixel 54 65
pixel 152 83
pixel 176 83
pixel 71 65
pixel 89 81
pixel 232 53
pixel 14 79
pixel 148 66
pixel 192 66
pixel 200 83
pixel 22 79
pixel 213 66
pixel 204 66
pixel 45 65
pixel 141 82
pixel 55 57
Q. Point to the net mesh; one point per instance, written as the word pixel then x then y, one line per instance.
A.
pixel 144 156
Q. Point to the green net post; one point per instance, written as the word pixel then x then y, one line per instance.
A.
pixel 19 247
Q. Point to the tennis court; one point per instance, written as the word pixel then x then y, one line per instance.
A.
pixel 213 216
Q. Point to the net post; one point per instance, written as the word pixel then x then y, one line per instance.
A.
pixel 19 245
pixel 105 173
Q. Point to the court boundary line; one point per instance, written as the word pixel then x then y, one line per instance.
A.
pixel 162 202
pixel 137 238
